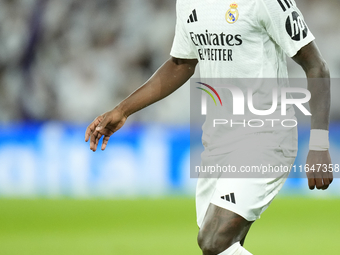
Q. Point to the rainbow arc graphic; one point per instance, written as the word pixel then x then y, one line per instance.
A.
pixel 209 93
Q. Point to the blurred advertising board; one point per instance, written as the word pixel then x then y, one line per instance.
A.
pixel 51 159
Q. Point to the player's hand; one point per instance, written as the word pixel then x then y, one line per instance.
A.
pixel 319 176
pixel 104 125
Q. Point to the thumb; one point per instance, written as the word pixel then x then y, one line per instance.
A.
pixel 103 123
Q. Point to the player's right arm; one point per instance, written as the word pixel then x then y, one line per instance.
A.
pixel 168 78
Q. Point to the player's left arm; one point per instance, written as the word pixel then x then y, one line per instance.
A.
pixel 315 67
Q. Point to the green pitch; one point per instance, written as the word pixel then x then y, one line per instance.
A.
pixel 161 226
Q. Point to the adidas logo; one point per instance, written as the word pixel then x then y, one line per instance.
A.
pixel 229 197
pixel 192 17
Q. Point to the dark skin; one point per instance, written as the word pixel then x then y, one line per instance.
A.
pixel 310 59
pixel 168 78
pixel 221 228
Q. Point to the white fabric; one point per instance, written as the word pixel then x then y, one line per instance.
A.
pixel 239 132
pixel 251 196
pixel 231 250
pixel 242 251
pixel 235 249
pixel 319 140
pixel 258 39
pixel 254 46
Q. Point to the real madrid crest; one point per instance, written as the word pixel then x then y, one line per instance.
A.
pixel 232 14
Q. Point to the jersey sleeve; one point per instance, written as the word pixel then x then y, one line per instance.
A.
pixel 284 23
pixel 182 46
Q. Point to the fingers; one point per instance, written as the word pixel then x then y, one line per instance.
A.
pixel 103 123
pixel 318 183
pixel 320 169
pixel 90 129
pixel 327 178
pixel 97 141
pixel 105 141
pixel 326 181
pixel 311 183
pixel 95 137
pixel 330 177
pixel 321 182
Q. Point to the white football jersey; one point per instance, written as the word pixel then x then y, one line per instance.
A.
pixel 241 39
pixel 246 38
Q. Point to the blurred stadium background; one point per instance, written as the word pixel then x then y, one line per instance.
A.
pixel 64 62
